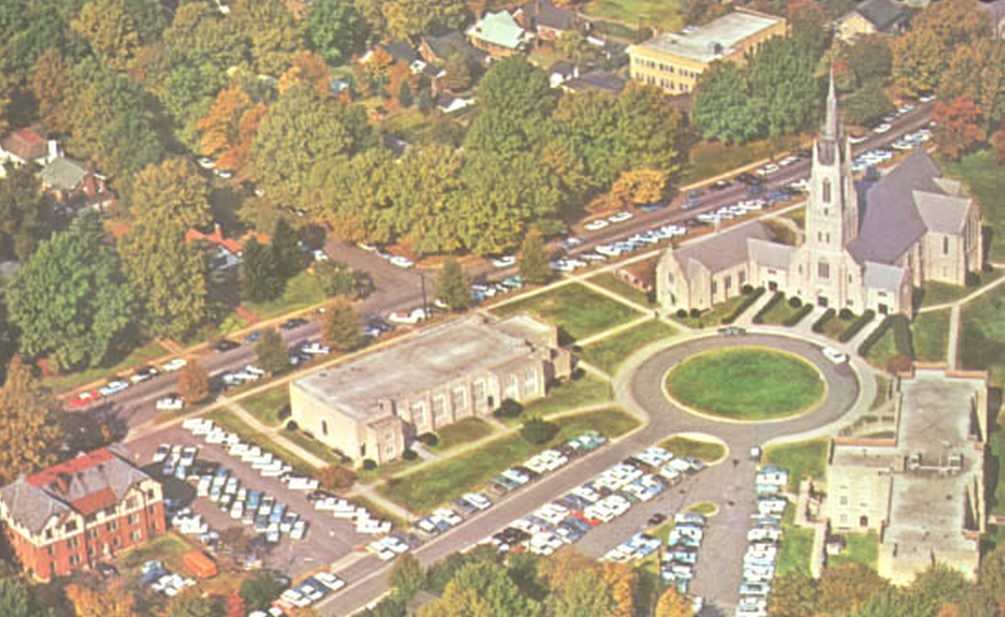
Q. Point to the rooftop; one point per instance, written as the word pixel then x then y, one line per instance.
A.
pixel 721 251
pixel 499 29
pixel 26 144
pixel 715 39
pixel 435 357
pixel 881 13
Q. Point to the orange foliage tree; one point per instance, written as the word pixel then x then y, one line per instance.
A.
pixel 959 126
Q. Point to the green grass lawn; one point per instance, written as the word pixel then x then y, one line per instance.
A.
pixel 608 354
pixel 708 159
pixel 884 349
pixel 780 312
pixel 746 383
pixel 933 293
pixel 167 548
pixel 313 446
pixel 781 232
pixel 982 334
pixel 835 326
pixel 705 508
pixel 662 14
pixel 576 310
pixel 985 180
pixel 138 357
pixel 610 282
pixel 712 317
pixel 861 548
pixel 707 451
pixel 460 433
pixel 930 332
pixel 996 475
pixel 247 434
pixel 270 407
pixel 801 459
pixel 579 392
pixel 798 216
pixel 797 545
pixel 302 291
pixel 434 484
pixel 882 392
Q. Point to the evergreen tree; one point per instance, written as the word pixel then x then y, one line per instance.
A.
pixel 405 98
pixel 534 267
pixel 271 352
pixel 452 286
pixel 260 277
pixel 286 251
pixel 341 328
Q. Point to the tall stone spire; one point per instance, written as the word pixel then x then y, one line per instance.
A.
pixel 830 129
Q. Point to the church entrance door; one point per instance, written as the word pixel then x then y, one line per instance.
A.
pixel 822 301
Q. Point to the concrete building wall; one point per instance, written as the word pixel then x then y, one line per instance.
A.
pixel 854 25
pixel 673 289
pixel 857 499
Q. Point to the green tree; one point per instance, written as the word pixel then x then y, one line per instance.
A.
pixel 869 59
pixel 172 191
pixel 260 277
pixel 785 92
pixel 191 603
pixel 405 98
pixel 341 327
pixel 260 589
pixel 722 108
pixel 271 352
pixel 452 286
pixel 867 106
pixel 355 197
pixel 423 191
pixel 533 261
pixel 25 215
pixel 458 76
pixel 16 600
pixel 336 30
pixel 408 18
pixel 272 33
pixel 110 29
pixel 584 593
pixel 68 300
pixel 936 586
pixel 29 424
pixel 793 595
pixel 516 87
pixel 494 594
pixel 408 576
pixel 168 276
pixel 976 71
pixel 285 248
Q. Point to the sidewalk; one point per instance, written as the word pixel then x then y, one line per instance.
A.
pixel 747 317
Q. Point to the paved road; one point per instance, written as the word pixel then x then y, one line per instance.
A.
pixel 638 388
pixel 401 289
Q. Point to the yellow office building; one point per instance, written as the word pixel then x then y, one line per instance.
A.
pixel 674 61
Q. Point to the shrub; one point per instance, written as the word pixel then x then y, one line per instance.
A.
pixel 337 478
pixel 775 299
pixel 799 315
pixel 973 279
pixel 747 289
pixel 902 335
pixel 818 325
pixel 508 409
pixel 899 364
pixel 856 327
pixel 538 431
pixel 846 315
pixel 795 302
pixel 430 440
pixel 695 313
pixel 743 306
pixel 409 455
pixel 369 464
pixel 292 425
pixel 873 338
pixel 681 314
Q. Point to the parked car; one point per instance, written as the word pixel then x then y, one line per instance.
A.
pixel 834 355
pixel 225 345
pixel 620 217
pixel 174 365
pixel 720 185
pixel 504 262
pixel 882 128
pixel 143 374
pixel 84 399
pixel 401 262
pixel 409 317
pixel 113 387
pixel 596 225
pixel 293 323
pixel 171 402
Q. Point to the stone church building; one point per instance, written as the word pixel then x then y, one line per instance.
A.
pixel 866 247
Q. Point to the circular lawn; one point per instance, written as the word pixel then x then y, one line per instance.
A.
pixel 746 383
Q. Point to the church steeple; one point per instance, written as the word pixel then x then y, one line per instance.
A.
pixel 830 128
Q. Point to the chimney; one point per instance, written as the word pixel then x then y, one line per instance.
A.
pixel 54 151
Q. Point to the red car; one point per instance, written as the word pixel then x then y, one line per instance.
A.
pixel 83 399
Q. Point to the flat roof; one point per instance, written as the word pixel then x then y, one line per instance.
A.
pixel 714 39
pixel 928 513
pixel 434 358
pixel 936 416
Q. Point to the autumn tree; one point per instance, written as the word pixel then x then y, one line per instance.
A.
pixel 229 128
pixel 959 126
pixel 49 84
pixel 193 383
pixel 171 191
pixel 481 589
pixel 673 604
pixel 113 601
pixel 533 259
pixel 68 300
pixel 622 581
pixel 408 18
pixel 998 141
pixel 793 595
pixel 234 605
pixel 110 29
pixel 25 213
pixel 458 76
pixel 408 576
pixel 336 30
pixel 639 186
pixel 452 286
pixel 29 423
pixel 847 587
pixel 341 327
pixel 16 599
pixel 273 34
pixel 976 71
pixel 337 478
pixel 584 593
pixel 922 55
pixel 309 69
pixel 192 603
pixel 270 352
pixel 260 277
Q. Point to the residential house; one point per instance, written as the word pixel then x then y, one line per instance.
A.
pixel 641 275
pixel 596 81
pixel 871 17
pixel 561 72
pixel 27 145
pixel 73 184
pixel 499 34
pixel 548 21
pixel 70 516
pixel 373 407
pixel 226 252
pixel 437 49
pixel 675 61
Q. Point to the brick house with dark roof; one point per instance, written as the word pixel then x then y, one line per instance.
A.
pixel 871 17
pixel 27 145
pixel 72 515
pixel 548 21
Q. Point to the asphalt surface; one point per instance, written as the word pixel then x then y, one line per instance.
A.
pixel 399 289
pixel 719 573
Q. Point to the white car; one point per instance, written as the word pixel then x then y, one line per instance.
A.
pixel 620 217
pixel 113 387
pixel 596 225
pixel 504 262
pixel 770 168
pixel 834 355
pixel 171 402
pixel 401 262
pixel 882 128
pixel 206 163
pixel 316 349
pixel 408 317
pixel 319 255
pixel 330 581
pixel 928 98
pixel 162 453
pixel 174 365
pixel 857 139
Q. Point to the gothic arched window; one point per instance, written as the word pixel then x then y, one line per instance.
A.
pixel 826 191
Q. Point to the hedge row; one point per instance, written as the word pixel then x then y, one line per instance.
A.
pixel 901 336
pixel 799 315
pixel 818 325
pixel 743 306
pixel 856 327
pixel 759 317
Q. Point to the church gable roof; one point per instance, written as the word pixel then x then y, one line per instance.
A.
pixel 722 251
pixel 883 276
pixel 770 254
pixel 943 214
pixel 892 223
